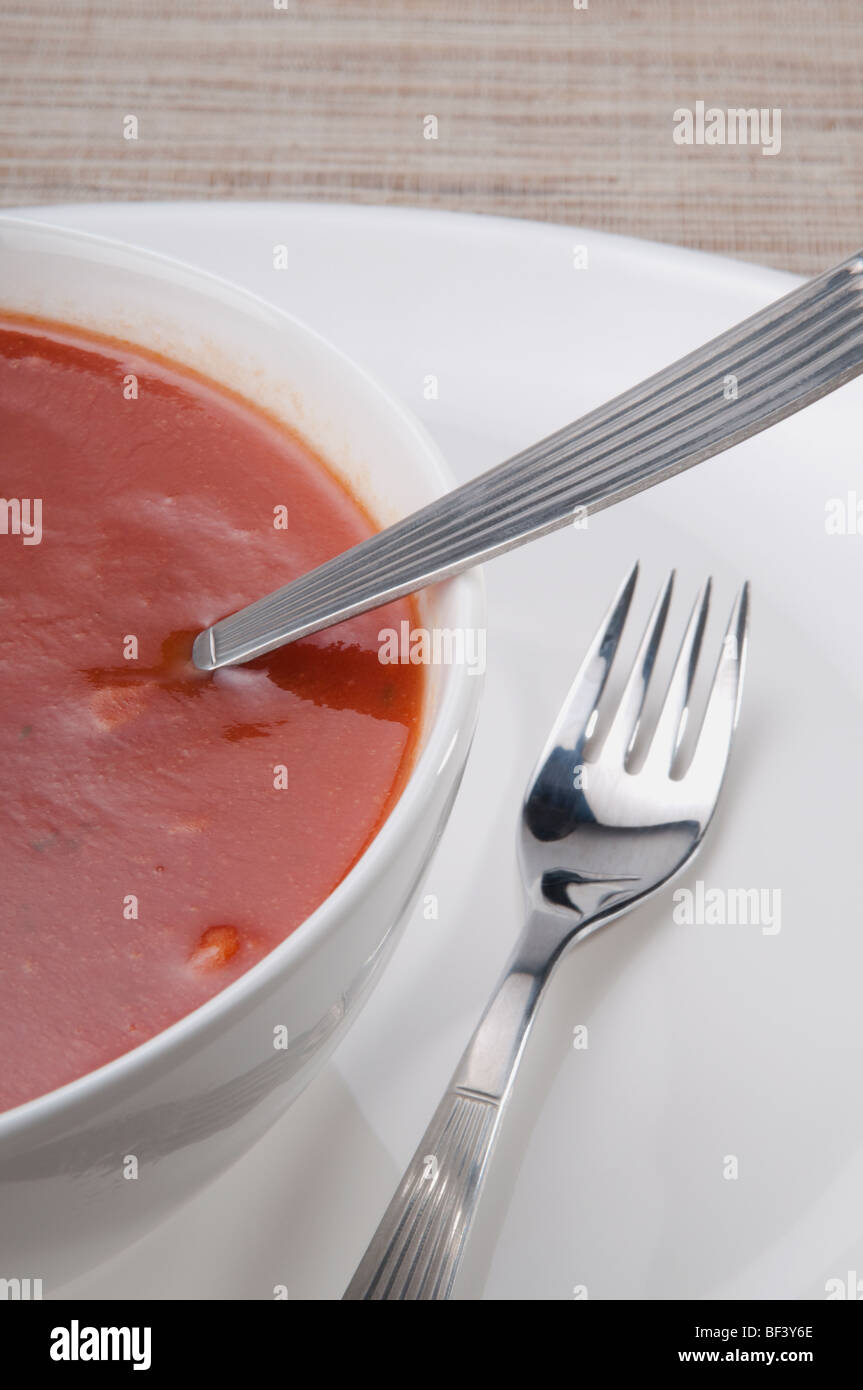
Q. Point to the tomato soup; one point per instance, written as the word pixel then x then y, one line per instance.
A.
pixel 162 829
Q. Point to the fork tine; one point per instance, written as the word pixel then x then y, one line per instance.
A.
pixel 586 690
pixel 707 763
pixel 577 714
pixel 675 707
pixel 624 726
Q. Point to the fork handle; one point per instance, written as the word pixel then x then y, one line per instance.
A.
pixel 416 1251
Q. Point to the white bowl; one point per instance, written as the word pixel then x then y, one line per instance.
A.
pixel 191 1100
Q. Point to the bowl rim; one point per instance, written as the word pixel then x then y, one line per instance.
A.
pixel 457 709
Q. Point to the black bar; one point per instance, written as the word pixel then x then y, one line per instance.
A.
pixel 235 1338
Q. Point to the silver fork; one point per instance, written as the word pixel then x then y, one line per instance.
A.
pixel 806 344
pixel 597 838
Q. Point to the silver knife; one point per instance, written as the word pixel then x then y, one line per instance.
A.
pixel 779 360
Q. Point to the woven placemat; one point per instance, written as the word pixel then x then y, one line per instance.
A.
pixel 541 109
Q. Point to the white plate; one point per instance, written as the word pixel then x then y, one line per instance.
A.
pixel 704 1041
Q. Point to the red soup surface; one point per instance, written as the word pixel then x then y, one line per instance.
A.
pixel 163 829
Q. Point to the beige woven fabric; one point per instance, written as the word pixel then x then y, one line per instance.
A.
pixel 543 110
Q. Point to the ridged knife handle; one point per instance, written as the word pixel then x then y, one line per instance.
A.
pixel 758 372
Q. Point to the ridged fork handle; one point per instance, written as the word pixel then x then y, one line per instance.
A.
pixel 416 1251
pixel 772 364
